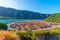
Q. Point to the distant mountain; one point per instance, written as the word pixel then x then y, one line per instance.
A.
pixel 21 14
pixel 54 18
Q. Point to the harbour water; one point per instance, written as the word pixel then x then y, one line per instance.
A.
pixel 14 20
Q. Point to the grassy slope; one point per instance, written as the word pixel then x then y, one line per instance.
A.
pixel 54 18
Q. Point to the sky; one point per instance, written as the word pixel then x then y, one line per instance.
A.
pixel 42 6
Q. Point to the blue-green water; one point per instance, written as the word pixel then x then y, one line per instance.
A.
pixel 9 20
pixel 14 20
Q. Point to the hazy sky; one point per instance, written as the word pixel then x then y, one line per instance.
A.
pixel 42 6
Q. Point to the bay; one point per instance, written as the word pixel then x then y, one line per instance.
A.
pixel 15 20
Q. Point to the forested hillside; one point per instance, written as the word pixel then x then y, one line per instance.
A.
pixel 54 18
pixel 21 14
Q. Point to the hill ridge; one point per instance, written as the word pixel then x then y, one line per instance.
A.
pixel 21 14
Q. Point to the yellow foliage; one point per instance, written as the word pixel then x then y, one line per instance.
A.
pixel 6 35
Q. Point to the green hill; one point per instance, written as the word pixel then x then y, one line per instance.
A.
pixel 54 18
pixel 11 13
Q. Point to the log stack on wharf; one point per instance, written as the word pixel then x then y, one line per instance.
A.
pixel 30 25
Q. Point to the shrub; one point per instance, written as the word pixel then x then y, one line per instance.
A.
pixel 27 35
pixel 3 26
pixel 6 35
